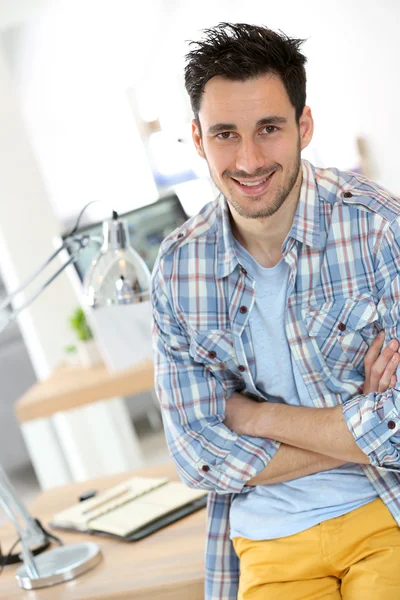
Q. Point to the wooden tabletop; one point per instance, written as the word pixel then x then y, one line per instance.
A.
pixel 167 565
pixel 73 386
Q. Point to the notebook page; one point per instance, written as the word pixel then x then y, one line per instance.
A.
pixel 80 514
pixel 134 515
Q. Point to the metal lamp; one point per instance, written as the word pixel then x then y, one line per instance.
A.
pixel 118 275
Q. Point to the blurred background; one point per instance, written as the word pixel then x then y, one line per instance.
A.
pixel 93 107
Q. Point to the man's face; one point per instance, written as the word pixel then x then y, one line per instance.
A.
pixel 252 142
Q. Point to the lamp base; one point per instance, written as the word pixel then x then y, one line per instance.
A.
pixel 12 559
pixel 60 564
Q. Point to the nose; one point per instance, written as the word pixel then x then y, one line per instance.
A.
pixel 249 157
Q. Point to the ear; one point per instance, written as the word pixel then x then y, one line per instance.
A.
pixel 196 135
pixel 306 127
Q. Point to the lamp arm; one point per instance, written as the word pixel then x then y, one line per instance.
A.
pixel 80 243
pixel 28 530
pixel 6 301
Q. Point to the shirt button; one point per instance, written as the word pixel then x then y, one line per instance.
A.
pixel 241 368
pixel 180 235
pixel 212 354
pixel 391 424
pixel 243 310
pixel 205 468
pixel 347 195
pixel 243 270
pixel 342 327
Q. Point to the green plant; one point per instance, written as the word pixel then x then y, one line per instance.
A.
pixel 70 349
pixel 79 324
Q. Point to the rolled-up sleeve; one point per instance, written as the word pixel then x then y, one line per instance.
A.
pixel 207 454
pixel 374 419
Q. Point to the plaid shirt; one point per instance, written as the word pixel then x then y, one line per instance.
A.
pixel 344 287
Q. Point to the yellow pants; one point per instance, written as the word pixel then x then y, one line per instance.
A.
pixel 354 557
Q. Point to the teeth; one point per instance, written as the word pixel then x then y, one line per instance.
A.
pixel 254 183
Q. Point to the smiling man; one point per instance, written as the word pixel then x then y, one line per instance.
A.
pixel 254 162
pixel 277 292
pixel 252 142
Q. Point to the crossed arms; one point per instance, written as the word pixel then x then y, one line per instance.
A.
pixel 222 441
pixel 312 439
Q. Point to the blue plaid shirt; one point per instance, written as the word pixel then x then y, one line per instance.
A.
pixel 344 257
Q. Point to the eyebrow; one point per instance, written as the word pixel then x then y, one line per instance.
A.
pixel 272 120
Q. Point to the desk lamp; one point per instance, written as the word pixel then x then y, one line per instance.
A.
pixel 117 275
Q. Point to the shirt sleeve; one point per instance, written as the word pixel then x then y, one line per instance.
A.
pixel 374 419
pixel 207 454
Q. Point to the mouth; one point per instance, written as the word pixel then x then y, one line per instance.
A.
pixel 253 187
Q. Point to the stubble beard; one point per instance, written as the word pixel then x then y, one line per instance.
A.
pixel 280 197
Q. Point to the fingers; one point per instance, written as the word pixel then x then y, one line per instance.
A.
pixel 380 367
pixel 389 373
pixel 374 351
pixel 383 362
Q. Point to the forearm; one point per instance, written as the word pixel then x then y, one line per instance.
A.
pixel 320 430
pixel 291 463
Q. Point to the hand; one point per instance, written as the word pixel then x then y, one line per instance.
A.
pixel 380 367
pixel 241 414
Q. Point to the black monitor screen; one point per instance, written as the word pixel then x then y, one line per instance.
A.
pixel 147 226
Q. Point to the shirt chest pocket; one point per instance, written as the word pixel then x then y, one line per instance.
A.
pixel 343 330
pixel 214 349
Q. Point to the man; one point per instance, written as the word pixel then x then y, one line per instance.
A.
pixel 275 292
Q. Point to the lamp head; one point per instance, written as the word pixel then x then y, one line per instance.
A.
pixel 118 274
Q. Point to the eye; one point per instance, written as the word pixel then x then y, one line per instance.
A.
pixel 225 135
pixel 269 129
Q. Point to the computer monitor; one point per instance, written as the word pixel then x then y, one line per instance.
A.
pixel 147 225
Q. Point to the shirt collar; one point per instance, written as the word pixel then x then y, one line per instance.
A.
pixel 227 257
pixel 305 227
pixel 306 222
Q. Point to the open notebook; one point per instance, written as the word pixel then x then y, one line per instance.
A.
pixel 132 509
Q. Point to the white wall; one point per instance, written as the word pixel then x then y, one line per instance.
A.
pixel 71 68
pixel 14 13
pixel 27 226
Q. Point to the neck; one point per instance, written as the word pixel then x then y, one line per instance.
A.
pixel 263 238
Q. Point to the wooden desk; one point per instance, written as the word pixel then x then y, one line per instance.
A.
pixel 76 425
pixel 74 386
pixel 168 565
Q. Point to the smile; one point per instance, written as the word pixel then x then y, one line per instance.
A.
pixel 253 183
pixel 253 188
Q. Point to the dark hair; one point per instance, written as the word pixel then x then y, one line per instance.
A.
pixel 239 52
